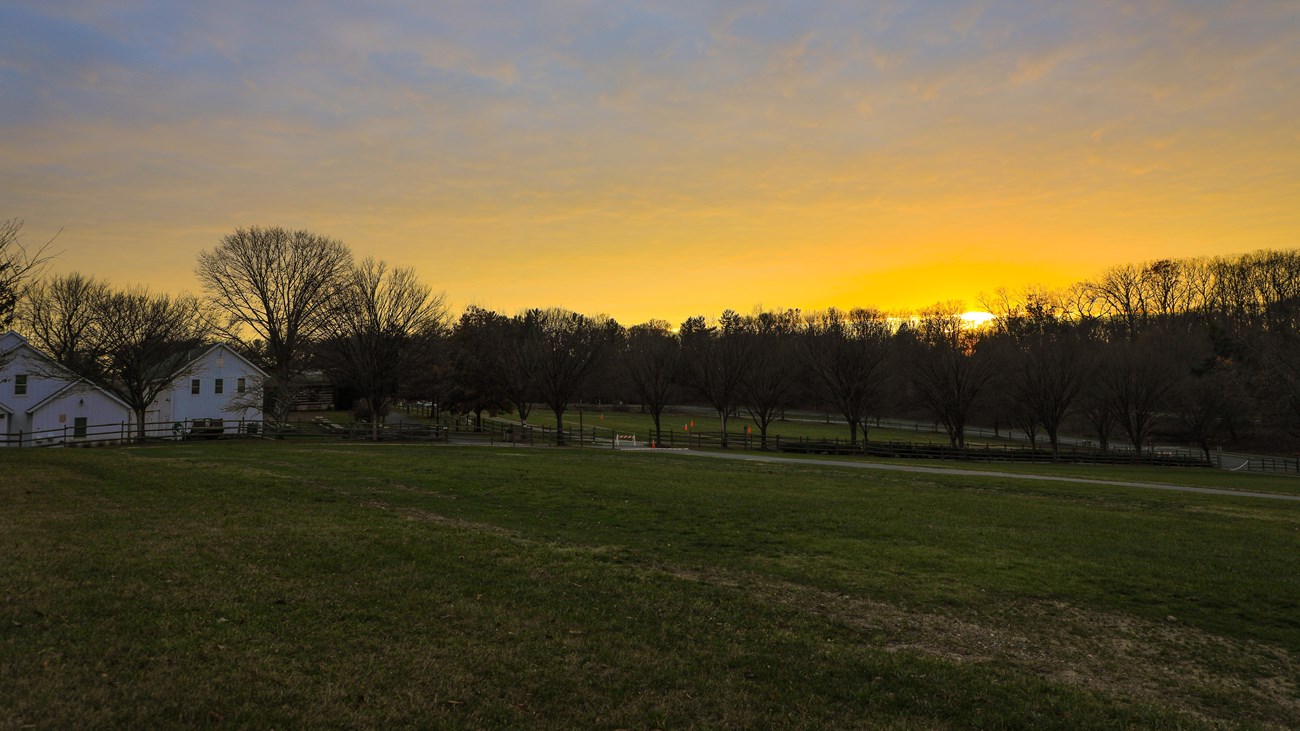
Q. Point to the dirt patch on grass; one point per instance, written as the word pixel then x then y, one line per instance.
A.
pixel 1167 663
pixel 1137 660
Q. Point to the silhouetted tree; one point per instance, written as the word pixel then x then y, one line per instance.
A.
pixel 567 348
pixel 282 285
pixel 846 355
pixel 60 316
pixel 143 343
pixel 1206 403
pixel 946 373
pixel 382 331
pixel 774 368
pixel 652 355
pixel 17 267
pixel 478 352
pixel 1136 380
pixel 1042 361
pixel 716 359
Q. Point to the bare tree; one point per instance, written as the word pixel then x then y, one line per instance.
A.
pixel 846 355
pixel 143 343
pixel 1137 380
pixel 519 350
pixel 280 285
pixel 478 380
pixel 1043 362
pixel 652 355
pixel 1123 294
pixel 383 328
pixel 947 374
pixel 1096 410
pixel 566 348
pixel 1206 403
pixel 774 369
pixel 61 316
pixel 18 266
pixel 716 359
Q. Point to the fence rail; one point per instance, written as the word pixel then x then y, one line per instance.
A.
pixel 929 450
pixel 499 431
pixel 1271 464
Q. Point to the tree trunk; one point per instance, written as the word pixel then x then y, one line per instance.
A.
pixel 559 428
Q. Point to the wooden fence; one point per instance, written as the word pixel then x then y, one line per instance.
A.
pixel 497 431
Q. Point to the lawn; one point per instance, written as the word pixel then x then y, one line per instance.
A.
pixel 290 584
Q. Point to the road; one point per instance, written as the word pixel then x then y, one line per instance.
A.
pixel 975 473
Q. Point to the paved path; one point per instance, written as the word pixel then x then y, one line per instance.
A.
pixel 977 473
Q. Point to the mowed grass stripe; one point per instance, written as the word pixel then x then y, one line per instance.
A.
pixel 272 584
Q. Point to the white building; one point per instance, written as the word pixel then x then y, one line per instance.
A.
pixel 215 393
pixel 42 403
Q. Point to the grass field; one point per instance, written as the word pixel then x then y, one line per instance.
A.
pixel 286 584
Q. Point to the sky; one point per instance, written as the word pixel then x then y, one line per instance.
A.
pixel 657 159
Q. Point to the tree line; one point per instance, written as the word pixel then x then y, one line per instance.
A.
pixel 1206 350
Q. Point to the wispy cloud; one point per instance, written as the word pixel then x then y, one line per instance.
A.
pixel 864 135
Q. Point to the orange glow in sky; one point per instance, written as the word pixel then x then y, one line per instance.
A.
pixel 647 161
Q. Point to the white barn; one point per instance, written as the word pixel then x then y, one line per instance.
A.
pixel 217 392
pixel 42 403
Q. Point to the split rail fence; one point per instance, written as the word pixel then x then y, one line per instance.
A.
pixel 499 432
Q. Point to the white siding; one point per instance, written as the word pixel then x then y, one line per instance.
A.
pixel 180 404
pixel 55 416
pixel 55 421
pixel 40 385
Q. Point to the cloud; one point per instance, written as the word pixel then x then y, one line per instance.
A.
pixel 423 130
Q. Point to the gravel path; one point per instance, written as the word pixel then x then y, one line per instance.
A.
pixel 978 473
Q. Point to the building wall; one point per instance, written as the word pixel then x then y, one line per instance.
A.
pixel 55 422
pixel 39 387
pixel 82 400
pixel 180 404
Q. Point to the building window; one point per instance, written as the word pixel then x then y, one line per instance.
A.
pixel 194 386
pixel 20 384
pixel 239 385
pixel 79 427
pixel 218 386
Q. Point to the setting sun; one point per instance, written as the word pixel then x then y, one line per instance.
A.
pixel 977 318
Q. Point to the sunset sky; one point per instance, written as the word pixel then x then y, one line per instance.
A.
pixel 658 159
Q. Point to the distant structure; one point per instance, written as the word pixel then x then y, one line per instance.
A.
pixel 216 392
pixel 44 404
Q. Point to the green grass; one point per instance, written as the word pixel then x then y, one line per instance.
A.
pixel 1285 484
pixel 286 584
